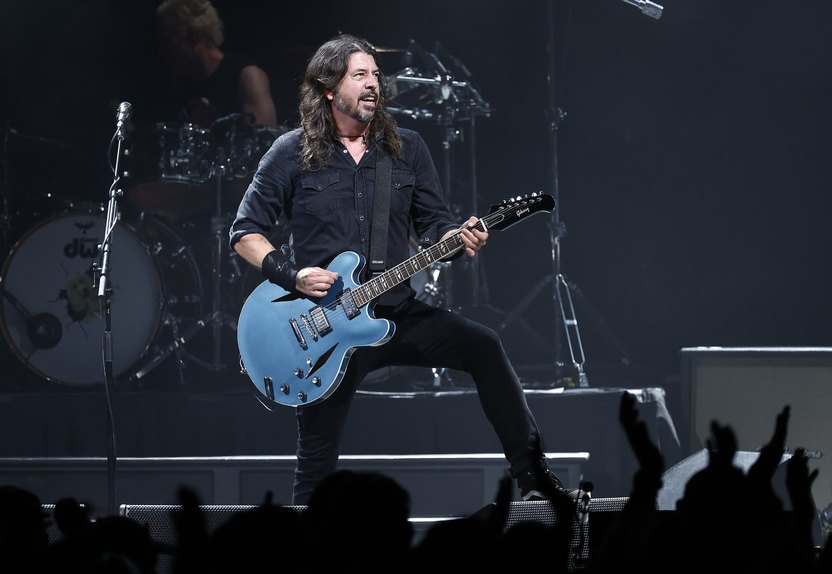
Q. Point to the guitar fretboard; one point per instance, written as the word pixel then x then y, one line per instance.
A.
pixel 376 286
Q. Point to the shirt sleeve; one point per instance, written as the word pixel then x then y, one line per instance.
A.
pixel 265 199
pixel 431 215
pixel 430 212
pixel 266 196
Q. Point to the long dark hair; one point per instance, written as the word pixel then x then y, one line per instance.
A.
pixel 325 71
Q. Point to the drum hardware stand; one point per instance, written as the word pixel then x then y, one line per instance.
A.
pixel 459 100
pixel 218 224
pixel 5 217
pixel 216 317
pixel 564 312
pixel 177 347
pixel 219 229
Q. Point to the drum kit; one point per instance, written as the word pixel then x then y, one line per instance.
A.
pixel 173 275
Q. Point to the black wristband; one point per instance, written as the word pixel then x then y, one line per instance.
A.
pixel 277 269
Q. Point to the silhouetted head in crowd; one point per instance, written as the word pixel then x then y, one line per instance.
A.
pixel 363 516
pixel 23 535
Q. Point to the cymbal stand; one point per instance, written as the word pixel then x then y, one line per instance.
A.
pixel 219 227
pixel 564 311
pixel 216 317
pixel 450 135
pixel 5 216
pixel 459 101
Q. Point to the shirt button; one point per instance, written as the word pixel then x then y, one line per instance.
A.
pixel 361 218
pixel 360 194
pixel 344 151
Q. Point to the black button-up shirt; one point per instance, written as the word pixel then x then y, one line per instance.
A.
pixel 329 209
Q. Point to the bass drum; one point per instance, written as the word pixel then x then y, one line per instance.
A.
pixel 50 314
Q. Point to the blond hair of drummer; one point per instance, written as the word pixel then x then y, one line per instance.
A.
pixel 209 82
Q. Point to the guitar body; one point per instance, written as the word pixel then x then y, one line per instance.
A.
pixel 295 350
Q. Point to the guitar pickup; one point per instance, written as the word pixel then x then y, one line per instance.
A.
pixel 296 328
pixel 348 304
pixel 320 321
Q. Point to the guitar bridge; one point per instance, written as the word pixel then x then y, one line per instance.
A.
pixel 308 326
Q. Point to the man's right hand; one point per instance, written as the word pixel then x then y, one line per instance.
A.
pixel 314 281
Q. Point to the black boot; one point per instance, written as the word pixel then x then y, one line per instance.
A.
pixel 540 483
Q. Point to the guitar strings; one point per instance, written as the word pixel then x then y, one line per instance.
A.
pixel 484 222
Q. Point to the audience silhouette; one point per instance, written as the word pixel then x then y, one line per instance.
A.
pixel 727 521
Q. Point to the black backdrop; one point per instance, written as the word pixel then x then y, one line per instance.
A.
pixel 693 160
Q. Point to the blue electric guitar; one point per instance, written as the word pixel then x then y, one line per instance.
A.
pixel 295 350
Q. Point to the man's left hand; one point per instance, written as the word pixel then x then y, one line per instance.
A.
pixel 472 238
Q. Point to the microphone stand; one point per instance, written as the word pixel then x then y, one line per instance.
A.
pixel 563 315
pixel 104 297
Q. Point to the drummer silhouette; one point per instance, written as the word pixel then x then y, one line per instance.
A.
pixel 211 118
pixel 211 108
pixel 207 82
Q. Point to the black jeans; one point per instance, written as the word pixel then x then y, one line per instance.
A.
pixel 425 337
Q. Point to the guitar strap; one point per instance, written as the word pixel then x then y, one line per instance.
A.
pixel 381 213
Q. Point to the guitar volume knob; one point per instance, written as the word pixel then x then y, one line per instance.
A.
pixel 302 396
pixel 316 381
pixel 298 372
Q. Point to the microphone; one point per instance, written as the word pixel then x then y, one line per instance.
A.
pixel 124 111
pixel 651 9
pixel 583 502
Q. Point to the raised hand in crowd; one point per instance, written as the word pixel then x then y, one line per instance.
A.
pixel 191 534
pixel 799 485
pixel 627 544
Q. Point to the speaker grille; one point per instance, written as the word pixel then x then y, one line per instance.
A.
pixel 52 530
pixel 159 517
pixel 159 521
pixel 584 531
pixel 614 504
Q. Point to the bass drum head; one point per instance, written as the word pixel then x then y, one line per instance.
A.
pixel 50 314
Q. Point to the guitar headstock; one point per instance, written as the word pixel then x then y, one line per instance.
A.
pixel 514 209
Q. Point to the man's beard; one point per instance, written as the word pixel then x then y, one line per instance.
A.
pixel 354 112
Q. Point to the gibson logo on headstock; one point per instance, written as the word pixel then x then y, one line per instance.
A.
pixel 521 212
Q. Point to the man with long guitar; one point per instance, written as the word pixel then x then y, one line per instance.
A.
pixel 323 177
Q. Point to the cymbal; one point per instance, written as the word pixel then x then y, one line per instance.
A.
pixel 311 49
pixel 383 50
pixel 32 140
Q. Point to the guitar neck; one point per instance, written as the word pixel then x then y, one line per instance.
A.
pixel 379 285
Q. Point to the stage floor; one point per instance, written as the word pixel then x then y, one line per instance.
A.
pixel 153 424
